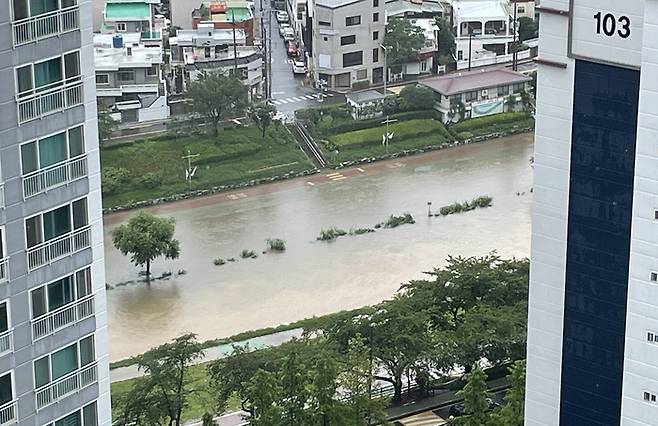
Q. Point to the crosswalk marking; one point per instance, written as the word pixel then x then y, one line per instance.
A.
pixel 339 178
pixel 333 174
pixel 360 169
pixel 336 176
pixel 299 98
pixel 311 183
pixel 236 196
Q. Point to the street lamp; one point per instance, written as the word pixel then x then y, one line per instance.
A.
pixel 385 67
pixel 429 209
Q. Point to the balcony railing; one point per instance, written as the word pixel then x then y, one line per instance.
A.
pixel 74 382
pixel 58 174
pixel 6 341
pixel 59 247
pixel 151 35
pixel 49 101
pixel 49 24
pixel 4 269
pixel 62 317
pixel 8 413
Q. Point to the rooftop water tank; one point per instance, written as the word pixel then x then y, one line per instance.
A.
pixel 117 41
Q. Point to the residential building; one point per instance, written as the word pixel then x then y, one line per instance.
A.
pixel 365 104
pixel 135 16
pixel 129 79
pixel 230 14
pixel 524 8
pixel 592 355
pixel 480 92
pixel 54 367
pixel 346 42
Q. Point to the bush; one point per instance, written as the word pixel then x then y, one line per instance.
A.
pixel 276 244
pixel 360 85
pixel 349 126
pixel 395 221
pixel 361 231
pixel 150 180
pixel 113 179
pixel 330 234
pixel 248 254
pixel 490 121
pixel 414 97
pixel 218 262
pixel 479 202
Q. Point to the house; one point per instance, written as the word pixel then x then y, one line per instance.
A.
pixel 365 104
pixel 129 78
pixel 135 16
pixel 346 42
pixel 204 42
pixel 478 93
pixel 228 14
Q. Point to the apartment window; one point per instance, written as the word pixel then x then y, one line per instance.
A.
pixel 460 55
pixel 518 87
pixel 2 243
pixel 5 337
pixel 41 76
pixel 126 75
pixel 654 276
pixel 352 20
pixel 521 9
pixel 345 40
pixel 375 3
pixel 353 58
pixel 375 35
pixel 324 23
pixel 102 78
pixel 375 17
pixel 65 361
pixel 57 222
pixel 362 74
pixel 646 396
pixel 471 96
pixel 46 152
pixel 65 291
pixel 152 71
pixel 6 389
pixel 121 26
pixel 652 337
pixel 655 214
pixel 375 55
pixel 87 416
pixel 26 8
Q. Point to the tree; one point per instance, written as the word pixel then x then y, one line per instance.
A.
pixel 146 237
pixel 403 42
pixel 511 102
pixel 160 396
pixel 416 98
pixel 446 40
pixel 265 392
pixel 262 115
pixel 511 413
pixel 106 124
pixel 208 420
pixel 476 403
pixel 457 111
pixel 216 96
pixel 528 28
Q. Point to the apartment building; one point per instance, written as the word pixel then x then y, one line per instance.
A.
pixel 346 42
pixel 53 330
pixel 134 16
pixel 593 308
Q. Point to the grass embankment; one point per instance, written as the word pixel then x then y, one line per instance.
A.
pixel 492 124
pixel 148 169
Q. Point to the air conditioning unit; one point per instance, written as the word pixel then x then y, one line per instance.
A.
pixel 485 93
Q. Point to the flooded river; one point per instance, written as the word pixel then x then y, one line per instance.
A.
pixel 313 277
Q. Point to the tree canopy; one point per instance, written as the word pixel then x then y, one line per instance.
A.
pixel 528 28
pixel 403 41
pixel 262 115
pixel 106 124
pixel 416 97
pixel 146 237
pixel 446 40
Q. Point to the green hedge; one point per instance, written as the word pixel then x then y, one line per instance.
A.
pixel 473 124
pixel 402 130
pixel 352 125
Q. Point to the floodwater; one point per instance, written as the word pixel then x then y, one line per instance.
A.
pixel 314 277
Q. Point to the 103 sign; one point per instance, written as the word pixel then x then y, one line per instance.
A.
pixel 610 25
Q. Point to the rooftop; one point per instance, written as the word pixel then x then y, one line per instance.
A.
pixel 477 10
pixel 365 96
pixel 207 36
pixel 400 7
pixel 333 4
pixel 137 11
pixel 107 58
pixel 453 84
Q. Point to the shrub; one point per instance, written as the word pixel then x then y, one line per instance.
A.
pixel 360 85
pixel 361 231
pixel 352 125
pixel 150 180
pixel 491 120
pixel 276 244
pixel 330 234
pixel 248 254
pixel 414 97
pixel 395 221
pixel 113 179
pixel 479 202
pixel 218 262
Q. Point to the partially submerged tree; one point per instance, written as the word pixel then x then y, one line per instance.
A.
pixel 262 115
pixel 146 237
pixel 216 96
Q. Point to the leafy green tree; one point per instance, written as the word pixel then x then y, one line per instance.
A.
pixel 208 420
pixel 265 392
pixel 447 46
pixel 476 403
pixel 262 115
pixel 511 102
pixel 160 396
pixel 511 413
pixel 528 28
pixel 146 237
pixel 457 111
pixel 106 124
pixel 403 42
pixel 416 98
pixel 216 96
pixel 294 382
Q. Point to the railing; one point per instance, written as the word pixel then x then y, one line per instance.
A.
pixel 67 385
pixel 4 269
pixel 49 101
pixel 6 341
pixel 8 413
pixel 151 35
pixel 62 317
pixel 58 174
pixel 49 24
pixel 59 247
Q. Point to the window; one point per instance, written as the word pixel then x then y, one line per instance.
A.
pixel 88 416
pixel 375 3
pixel 375 17
pixel 2 243
pixel 5 338
pixel 6 389
pixel 152 71
pixel 206 52
pixel 375 35
pixel 362 74
pixel 121 26
pixel 455 99
pixel 352 59
pixel 503 90
pixel 375 55
pixel 46 152
pixel 62 292
pixel 471 96
pixel 65 361
pixel 655 214
pixel 102 79
pixel 126 75
pixel 518 87
pixel 50 225
pixel 521 9
pixel 345 40
pixel 324 23
pixel 647 396
pixel 352 20
pixel 652 337
pixel 45 75
pixel 423 66
pixel 460 55
pixel 26 8
pixel 654 276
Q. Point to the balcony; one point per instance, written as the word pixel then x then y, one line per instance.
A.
pixel 8 413
pixel 6 343
pixel 74 382
pixel 62 318
pixel 56 175
pixel 4 269
pixel 57 248
pixel 35 28
pixel 49 101
pixel 151 35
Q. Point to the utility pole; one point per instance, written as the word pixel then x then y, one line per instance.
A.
pixel 388 136
pixel 265 61
pixel 269 52
pixel 235 47
pixel 385 67
pixel 189 172
pixel 515 56
pixel 470 44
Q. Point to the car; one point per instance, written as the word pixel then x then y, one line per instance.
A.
pixel 457 410
pixel 288 35
pixel 282 29
pixel 298 67
pixel 293 49
pixel 282 16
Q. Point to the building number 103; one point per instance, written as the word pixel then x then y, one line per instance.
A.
pixel 608 24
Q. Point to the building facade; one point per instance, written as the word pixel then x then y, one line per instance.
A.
pixel 54 366
pixel 593 308
pixel 347 35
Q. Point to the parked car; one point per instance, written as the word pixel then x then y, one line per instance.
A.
pixel 288 35
pixel 458 409
pixel 282 16
pixel 293 49
pixel 282 29
pixel 298 67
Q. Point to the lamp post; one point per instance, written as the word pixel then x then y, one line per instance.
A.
pixel 385 67
pixel 429 209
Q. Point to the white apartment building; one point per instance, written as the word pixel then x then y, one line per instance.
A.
pixel 54 367
pixel 593 308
